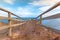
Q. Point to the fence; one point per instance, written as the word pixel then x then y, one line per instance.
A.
pixel 32 23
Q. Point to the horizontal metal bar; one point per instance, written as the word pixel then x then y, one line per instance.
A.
pixel 52 17
pixel 14 25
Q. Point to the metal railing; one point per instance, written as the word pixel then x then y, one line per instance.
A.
pixel 10 26
pixel 51 17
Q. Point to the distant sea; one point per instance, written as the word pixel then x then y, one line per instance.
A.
pixel 4 21
pixel 54 23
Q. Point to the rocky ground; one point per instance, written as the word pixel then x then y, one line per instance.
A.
pixel 29 31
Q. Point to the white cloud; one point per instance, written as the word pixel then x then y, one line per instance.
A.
pixel 23 12
pixel 46 5
pixel 9 1
pixel 45 8
pixel 2 13
pixel 20 11
pixel 52 12
pixel 44 2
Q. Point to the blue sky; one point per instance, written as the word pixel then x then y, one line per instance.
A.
pixel 28 8
pixel 32 8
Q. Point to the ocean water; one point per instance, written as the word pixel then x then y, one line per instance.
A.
pixel 54 23
pixel 4 21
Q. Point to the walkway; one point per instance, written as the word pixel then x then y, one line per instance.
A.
pixel 31 29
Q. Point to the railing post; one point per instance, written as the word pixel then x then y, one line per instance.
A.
pixel 41 19
pixel 10 28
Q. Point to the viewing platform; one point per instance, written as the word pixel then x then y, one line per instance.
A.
pixel 31 29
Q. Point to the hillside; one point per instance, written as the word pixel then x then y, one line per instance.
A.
pixel 2 17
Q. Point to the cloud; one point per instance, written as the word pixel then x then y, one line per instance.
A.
pixel 44 2
pixel 23 12
pixel 45 8
pixel 52 12
pixel 27 12
pixel 1 1
pixel 2 13
pixel 9 1
pixel 7 8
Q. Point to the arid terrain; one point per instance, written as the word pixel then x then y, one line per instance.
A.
pixel 29 31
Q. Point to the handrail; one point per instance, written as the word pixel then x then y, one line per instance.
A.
pixel 9 20
pixel 57 4
pixel 9 12
pixel 52 17
pixel 10 26
pixel 14 25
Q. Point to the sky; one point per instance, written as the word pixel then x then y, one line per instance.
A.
pixel 28 8
pixel 32 8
